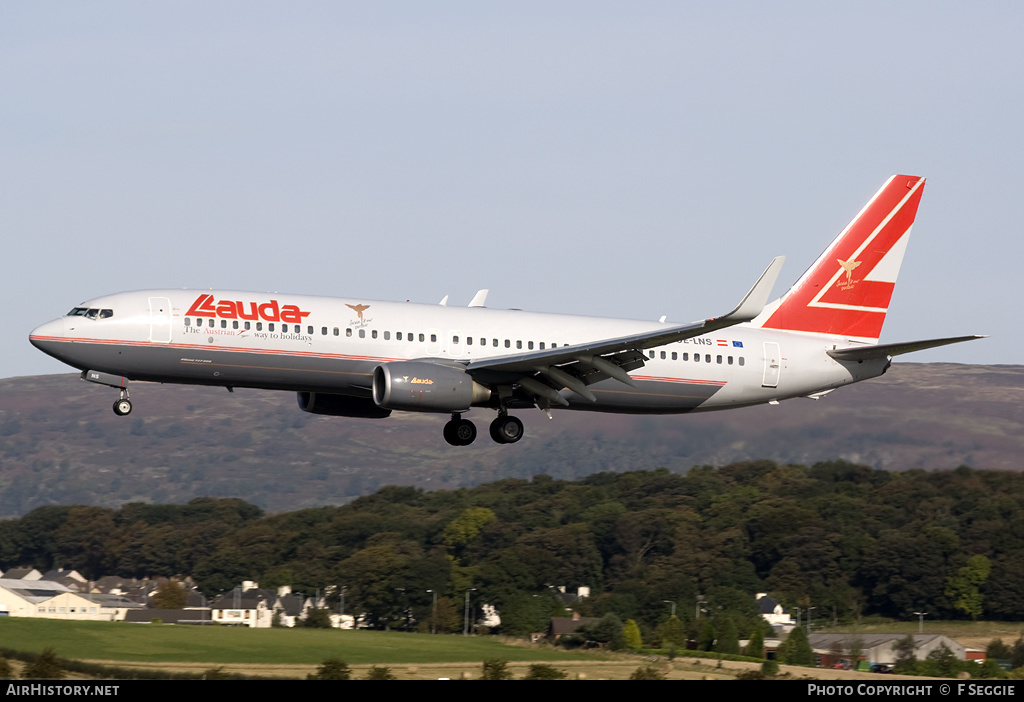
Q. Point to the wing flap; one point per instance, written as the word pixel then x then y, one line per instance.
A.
pixel 543 373
pixel 750 306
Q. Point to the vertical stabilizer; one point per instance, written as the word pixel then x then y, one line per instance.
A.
pixel 847 290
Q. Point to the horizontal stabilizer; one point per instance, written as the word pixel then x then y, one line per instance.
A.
pixel 866 353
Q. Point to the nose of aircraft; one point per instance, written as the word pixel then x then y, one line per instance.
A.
pixel 43 336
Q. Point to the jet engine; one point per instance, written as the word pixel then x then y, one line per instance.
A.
pixel 340 405
pixel 419 386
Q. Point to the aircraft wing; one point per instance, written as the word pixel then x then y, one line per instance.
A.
pixel 876 351
pixel 543 373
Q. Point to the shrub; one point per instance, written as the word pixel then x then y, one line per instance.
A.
pixel 332 669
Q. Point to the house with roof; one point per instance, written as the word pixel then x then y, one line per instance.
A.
pixel 881 648
pixel 54 600
pixel 773 613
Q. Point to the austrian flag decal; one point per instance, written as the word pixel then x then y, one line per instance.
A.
pixel 207 306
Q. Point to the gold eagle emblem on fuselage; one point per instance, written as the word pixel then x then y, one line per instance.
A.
pixel 359 309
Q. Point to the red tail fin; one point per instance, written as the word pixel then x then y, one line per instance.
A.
pixel 847 290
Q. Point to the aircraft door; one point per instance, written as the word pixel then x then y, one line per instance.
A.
pixel 455 347
pixel 159 320
pixel 772 365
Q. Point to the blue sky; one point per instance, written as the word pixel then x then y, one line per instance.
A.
pixel 632 159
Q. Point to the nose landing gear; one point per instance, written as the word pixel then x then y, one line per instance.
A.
pixel 123 405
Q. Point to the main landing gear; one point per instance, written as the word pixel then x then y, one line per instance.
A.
pixel 505 429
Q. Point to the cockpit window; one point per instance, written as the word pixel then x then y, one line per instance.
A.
pixel 90 313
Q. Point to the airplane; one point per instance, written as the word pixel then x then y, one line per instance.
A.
pixel 351 357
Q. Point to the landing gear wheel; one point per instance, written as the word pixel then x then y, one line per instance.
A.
pixel 122 407
pixel 506 429
pixel 460 432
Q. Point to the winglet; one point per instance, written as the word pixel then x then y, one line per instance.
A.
pixel 755 300
pixel 480 299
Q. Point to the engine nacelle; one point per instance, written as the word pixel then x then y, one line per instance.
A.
pixel 340 405
pixel 419 386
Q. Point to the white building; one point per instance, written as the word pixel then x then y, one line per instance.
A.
pixel 52 600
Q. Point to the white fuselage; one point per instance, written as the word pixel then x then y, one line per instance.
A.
pixel 332 345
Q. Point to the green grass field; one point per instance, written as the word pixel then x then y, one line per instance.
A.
pixel 150 643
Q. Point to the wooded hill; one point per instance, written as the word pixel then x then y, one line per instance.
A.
pixel 61 444
pixel 847 540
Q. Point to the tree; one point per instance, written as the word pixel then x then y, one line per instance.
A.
pixel 170 594
pixel 728 640
pixel 46 666
pixel 631 634
pixel 964 587
pixel 755 648
pixel 796 649
pixel 316 618
pixel 944 662
pixel 464 528
pixel 906 658
pixel 672 633
pixel 332 669
pixel 647 672
pixel 543 671
pixel 855 650
pixel 380 672
pixel 495 669
pixel 997 649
